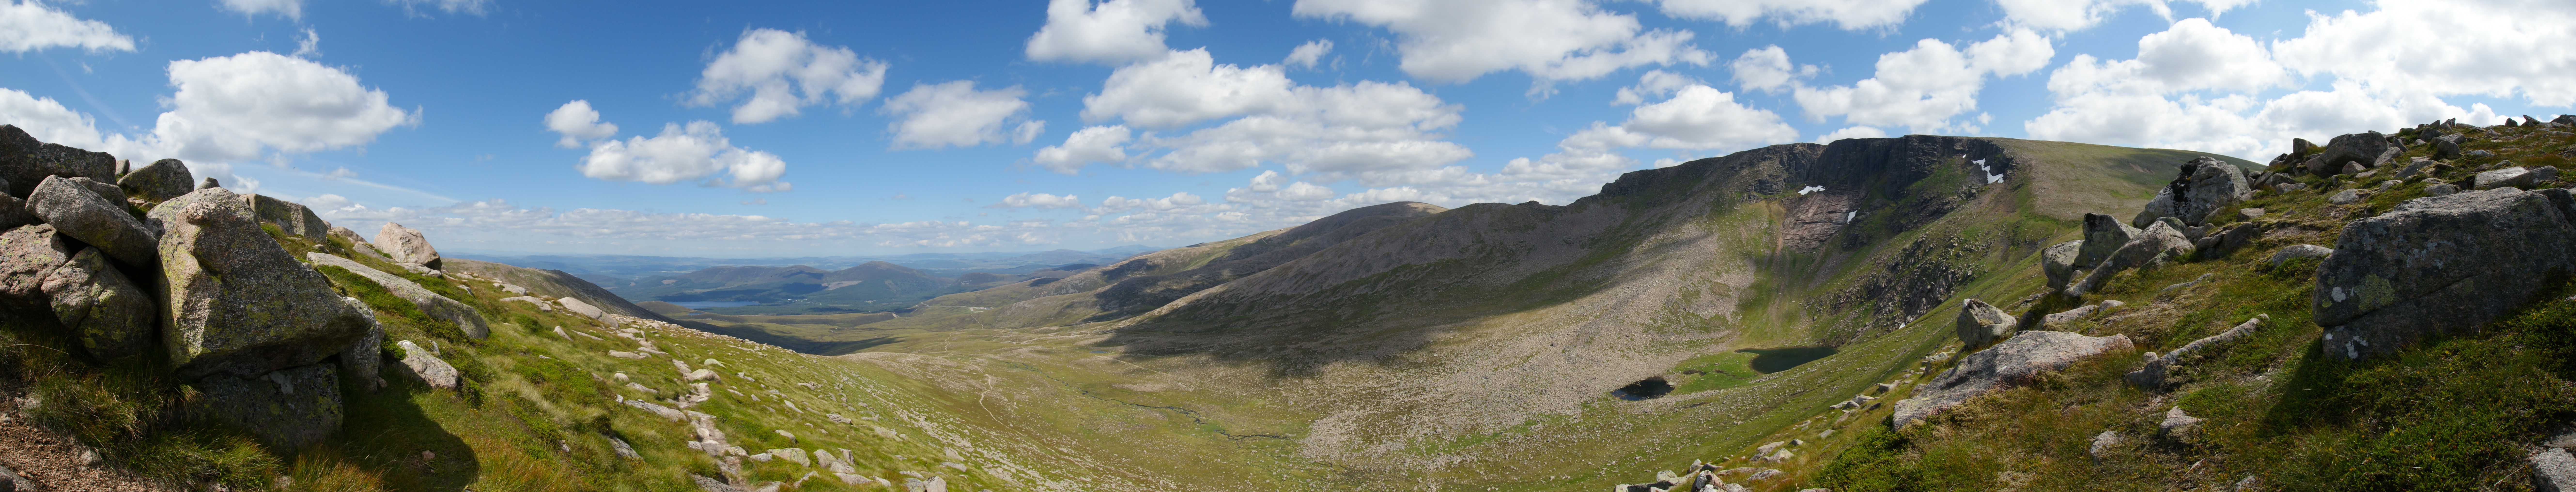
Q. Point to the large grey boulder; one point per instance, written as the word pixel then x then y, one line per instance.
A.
pixel 78 212
pixel 427 368
pixel 238 303
pixel 2441 263
pixel 1981 323
pixel 294 219
pixel 14 212
pixel 2102 235
pixel 583 308
pixel 25 162
pixel 159 181
pixel 287 409
pixel 2158 244
pixel 2004 366
pixel 108 313
pixel 2058 262
pixel 2371 149
pixel 106 191
pixel 406 245
pixel 2297 251
pixel 28 256
pixel 2512 176
pixel 436 306
pixel 2206 185
pixel 365 358
pixel 2553 470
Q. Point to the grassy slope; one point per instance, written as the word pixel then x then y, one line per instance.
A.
pixel 2449 414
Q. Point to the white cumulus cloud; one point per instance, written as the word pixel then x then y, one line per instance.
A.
pixel 1086 146
pixel 292 9
pixel 29 25
pixel 578 123
pixel 2070 15
pixel 955 114
pixel 1846 14
pixel 1852 132
pixel 1306 55
pixel 231 108
pixel 1551 40
pixel 1041 201
pixel 783 72
pixel 1373 131
pixel 696 151
pixel 1112 31
pixel 1924 87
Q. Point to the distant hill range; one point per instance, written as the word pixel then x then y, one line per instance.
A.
pixel 814 285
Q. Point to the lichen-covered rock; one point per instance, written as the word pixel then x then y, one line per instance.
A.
pixel 427 368
pixel 437 306
pixel 2158 373
pixel 2007 364
pixel 110 316
pixel 294 219
pixel 236 301
pixel 582 308
pixel 2370 149
pixel 287 409
pixel 2102 235
pixel 2512 176
pixel 159 181
pixel 28 256
pixel 2442 263
pixel 406 245
pixel 2297 251
pixel 25 162
pixel 2058 262
pixel 2160 242
pixel 365 358
pixel 2205 185
pixel 1981 323
pixel 80 213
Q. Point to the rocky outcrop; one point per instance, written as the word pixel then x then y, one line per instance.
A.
pixel 80 213
pixel 287 409
pixel 365 358
pixel 110 316
pixel 2368 149
pixel 159 181
pixel 236 302
pixel 406 245
pixel 2007 364
pixel 292 218
pixel 2102 236
pixel 25 162
pixel 2206 185
pixel 436 306
pixel 2441 263
pixel 1981 323
pixel 2152 247
pixel 426 368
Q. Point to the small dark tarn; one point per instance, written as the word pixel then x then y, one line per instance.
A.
pixel 1643 389
pixel 1773 360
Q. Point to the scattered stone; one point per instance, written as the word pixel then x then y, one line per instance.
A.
pixel 623 449
pixel 80 213
pixel 2179 428
pixel 2206 185
pixel 1765 474
pixel 542 305
pixel 2067 316
pixel 2297 251
pixel 286 409
pixel 2414 167
pixel 582 308
pixel 2103 444
pixel 712 485
pixel 26 162
pixel 2437 263
pixel 420 365
pixel 2512 176
pixel 2441 189
pixel 238 302
pixel 1980 323
pixel 2366 149
pixel 2154 246
pixel 2157 374
pixel 2058 262
pixel 2553 470
pixel 406 245
pixel 157 182
pixel 2249 214
pixel 437 306
pixel 2007 364
pixel 2108 304
pixel 2346 197
pixel 664 412
pixel 2289 187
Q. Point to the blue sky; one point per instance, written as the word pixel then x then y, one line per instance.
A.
pixel 865 128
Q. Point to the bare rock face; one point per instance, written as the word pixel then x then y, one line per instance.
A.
pixel 159 181
pixel 2058 262
pixel 237 302
pixel 293 218
pixel 2206 185
pixel 25 162
pixel 2441 263
pixel 437 306
pixel 364 359
pixel 2007 364
pixel 28 256
pixel 406 245
pixel 108 313
pixel 83 215
pixel 1981 323
pixel 286 409
pixel 2102 235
